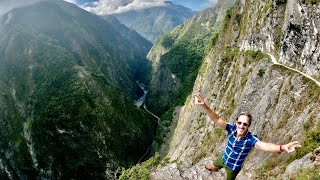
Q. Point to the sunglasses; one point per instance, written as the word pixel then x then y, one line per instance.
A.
pixel 244 124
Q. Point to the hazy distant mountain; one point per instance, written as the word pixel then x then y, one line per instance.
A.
pixel 67 82
pixel 131 34
pixel 155 21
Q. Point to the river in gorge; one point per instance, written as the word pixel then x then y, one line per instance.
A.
pixel 140 102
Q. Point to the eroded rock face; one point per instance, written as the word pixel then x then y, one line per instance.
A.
pixel 290 30
pixel 197 171
pixel 298 164
pixel 301 38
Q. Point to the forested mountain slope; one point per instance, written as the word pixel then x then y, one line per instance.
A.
pixel 67 84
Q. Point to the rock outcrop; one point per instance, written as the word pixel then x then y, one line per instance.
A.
pixel 311 160
pixel 290 30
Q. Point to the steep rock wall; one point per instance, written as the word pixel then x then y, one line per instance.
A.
pixel 290 30
pixel 282 102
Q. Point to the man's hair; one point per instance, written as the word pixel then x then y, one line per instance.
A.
pixel 246 114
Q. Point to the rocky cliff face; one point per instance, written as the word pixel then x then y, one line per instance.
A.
pixel 240 74
pixel 290 29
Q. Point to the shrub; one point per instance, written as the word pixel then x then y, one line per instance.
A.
pixel 167 41
pixel 309 173
pixel 261 73
pixel 141 171
pixel 310 142
pixel 279 2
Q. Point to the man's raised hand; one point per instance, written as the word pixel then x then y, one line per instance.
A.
pixel 198 99
pixel 291 147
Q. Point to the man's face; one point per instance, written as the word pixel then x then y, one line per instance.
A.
pixel 242 125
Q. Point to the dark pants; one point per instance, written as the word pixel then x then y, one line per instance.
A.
pixel 231 174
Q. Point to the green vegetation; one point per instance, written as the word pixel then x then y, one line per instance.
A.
pixel 167 41
pixel 214 40
pixel 313 1
pixel 141 171
pixel 278 30
pixel 309 174
pixel 310 2
pixel 309 124
pixel 163 129
pixel 310 142
pixel 267 170
pixel 227 26
pixel 255 54
pixel 315 77
pixel 261 73
pixel 279 2
pixel 70 124
pixel 183 60
pixel 215 35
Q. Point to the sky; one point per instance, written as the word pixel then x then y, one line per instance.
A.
pixel 103 7
pixel 7 5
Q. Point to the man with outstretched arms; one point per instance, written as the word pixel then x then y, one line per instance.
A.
pixel 240 142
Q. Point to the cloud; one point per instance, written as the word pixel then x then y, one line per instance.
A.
pixel 100 7
pixel 213 2
pixel 8 5
pixel 104 7
pixel 210 3
pixel 71 1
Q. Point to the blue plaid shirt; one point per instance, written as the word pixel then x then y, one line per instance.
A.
pixel 237 149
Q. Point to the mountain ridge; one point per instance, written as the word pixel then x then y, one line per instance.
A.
pixel 155 21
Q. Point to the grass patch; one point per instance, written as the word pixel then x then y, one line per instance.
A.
pixel 310 142
pixel 310 2
pixel 274 166
pixel 309 173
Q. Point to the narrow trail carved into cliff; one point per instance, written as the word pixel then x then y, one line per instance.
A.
pixel 302 73
pixel 158 121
